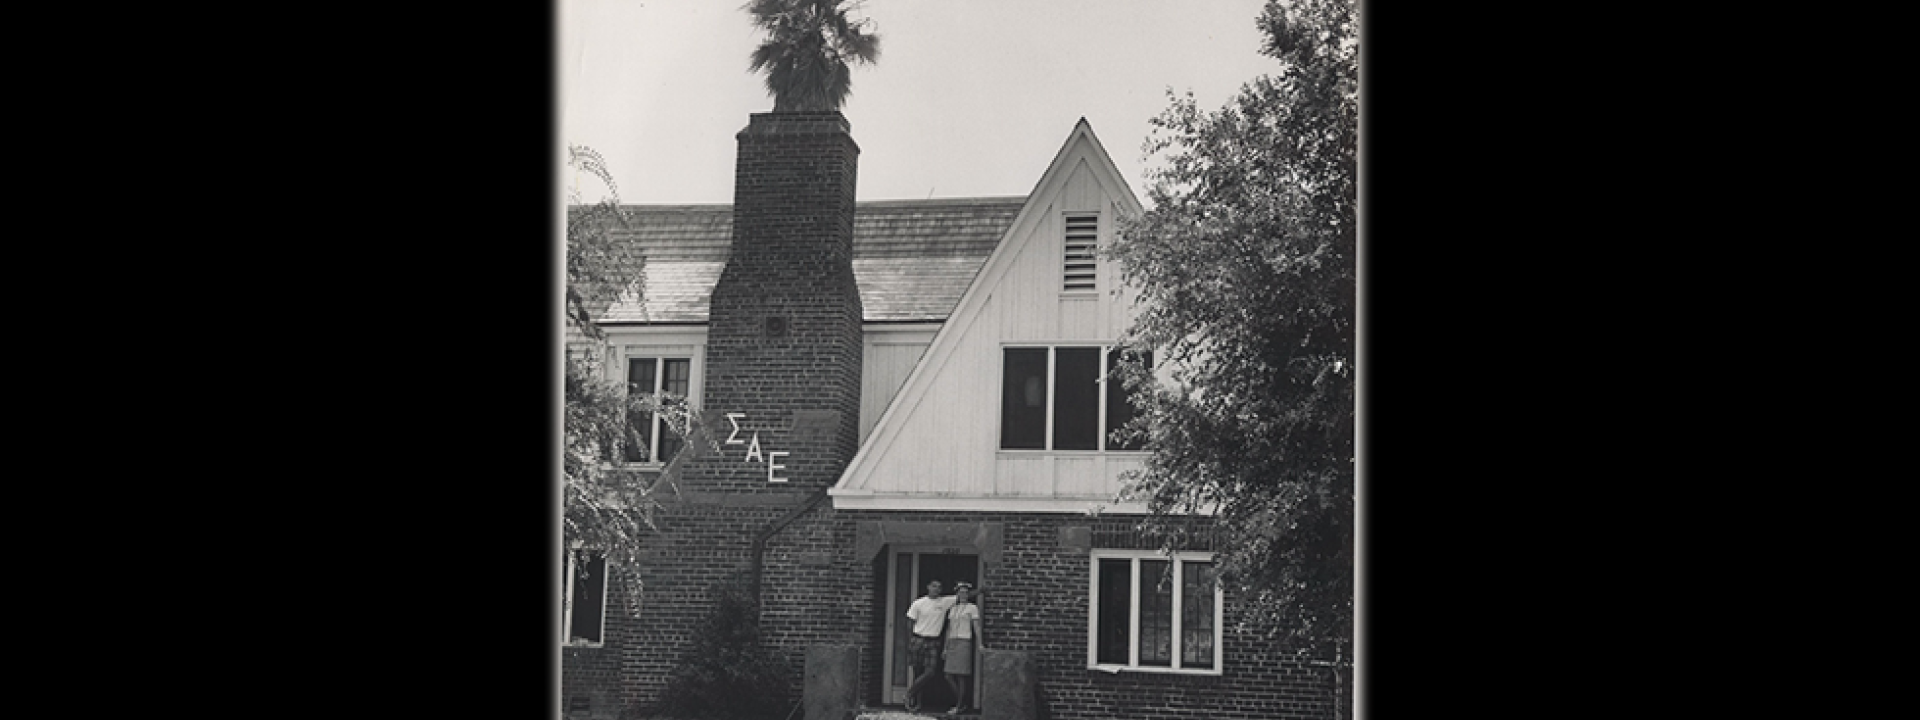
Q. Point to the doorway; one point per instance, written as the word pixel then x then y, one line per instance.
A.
pixel 909 569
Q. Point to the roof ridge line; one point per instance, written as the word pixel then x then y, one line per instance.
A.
pixel 896 202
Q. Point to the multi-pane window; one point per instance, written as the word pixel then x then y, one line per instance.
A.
pixel 1154 613
pixel 1052 399
pixel 651 440
pixel 583 604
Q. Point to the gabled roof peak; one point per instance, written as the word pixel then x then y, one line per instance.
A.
pixel 1083 130
pixel 1080 156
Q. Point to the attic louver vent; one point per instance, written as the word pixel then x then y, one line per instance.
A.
pixel 1081 233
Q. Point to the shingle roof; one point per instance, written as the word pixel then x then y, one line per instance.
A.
pixel 912 258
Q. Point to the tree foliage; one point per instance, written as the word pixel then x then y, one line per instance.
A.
pixel 601 511
pixel 606 509
pixel 600 269
pixel 807 50
pixel 1246 267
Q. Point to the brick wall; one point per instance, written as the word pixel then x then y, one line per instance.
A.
pixel 594 673
pixel 783 351
pixel 700 546
pixel 784 329
pixel 820 590
pixel 1035 600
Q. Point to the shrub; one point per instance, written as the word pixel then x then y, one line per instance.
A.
pixel 725 674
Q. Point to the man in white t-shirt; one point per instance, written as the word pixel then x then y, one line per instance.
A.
pixel 929 616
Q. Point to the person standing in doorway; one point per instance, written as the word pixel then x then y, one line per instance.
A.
pixel 929 616
pixel 963 637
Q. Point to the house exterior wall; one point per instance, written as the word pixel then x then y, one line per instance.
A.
pixel 703 545
pixel 890 356
pixel 782 364
pixel 823 587
pixel 944 438
pixel 595 674
pixel 784 332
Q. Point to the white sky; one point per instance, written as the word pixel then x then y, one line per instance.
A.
pixel 969 98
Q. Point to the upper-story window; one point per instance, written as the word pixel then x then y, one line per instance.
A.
pixel 650 360
pixel 1058 398
pixel 651 440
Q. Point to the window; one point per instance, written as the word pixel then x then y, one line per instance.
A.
pixel 1083 232
pixel 1153 613
pixel 651 440
pixel 584 600
pixel 1051 399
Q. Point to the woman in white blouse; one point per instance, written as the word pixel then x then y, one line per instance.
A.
pixel 963 636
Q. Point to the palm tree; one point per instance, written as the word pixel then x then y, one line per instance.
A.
pixel 808 46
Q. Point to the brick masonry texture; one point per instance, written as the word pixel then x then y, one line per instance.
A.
pixel 594 673
pixel 1035 600
pixel 784 350
pixel 784 330
pixel 817 589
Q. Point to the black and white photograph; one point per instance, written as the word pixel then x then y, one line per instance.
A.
pixel 990 359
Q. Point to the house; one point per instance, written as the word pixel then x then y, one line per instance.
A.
pixel 909 390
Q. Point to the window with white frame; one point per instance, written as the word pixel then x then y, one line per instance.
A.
pixel 650 440
pixel 1153 613
pixel 1062 398
pixel 583 605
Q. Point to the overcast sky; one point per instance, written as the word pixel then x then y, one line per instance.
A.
pixel 969 97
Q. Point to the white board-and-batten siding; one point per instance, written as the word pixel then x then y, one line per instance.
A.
pixel 889 356
pixel 942 441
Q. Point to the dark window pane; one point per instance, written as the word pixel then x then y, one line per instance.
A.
pixel 1119 409
pixel 1156 614
pixel 1116 589
pixel 675 381
pixel 639 382
pixel 1023 407
pixel 1196 615
pixel 1076 399
pixel 589 589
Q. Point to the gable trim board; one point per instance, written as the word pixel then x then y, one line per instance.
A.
pixel 1081 150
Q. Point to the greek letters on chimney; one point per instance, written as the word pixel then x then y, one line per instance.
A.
pixel 753 448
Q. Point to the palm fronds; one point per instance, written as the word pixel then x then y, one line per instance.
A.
pixel 808 51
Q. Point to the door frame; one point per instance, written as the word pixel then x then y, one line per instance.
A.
pixel 889 695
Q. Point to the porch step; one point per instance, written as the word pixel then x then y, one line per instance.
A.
pixel 902 714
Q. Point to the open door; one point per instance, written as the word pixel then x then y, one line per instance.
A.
pixel 908 572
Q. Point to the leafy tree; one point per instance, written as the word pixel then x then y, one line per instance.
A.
pixel 1246 267
pixel 809 44
pixel 601 512
pixel 606 510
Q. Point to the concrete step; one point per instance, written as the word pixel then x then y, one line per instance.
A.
pixel 902 714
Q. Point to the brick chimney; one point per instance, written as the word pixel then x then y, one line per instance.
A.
pixel 784 324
